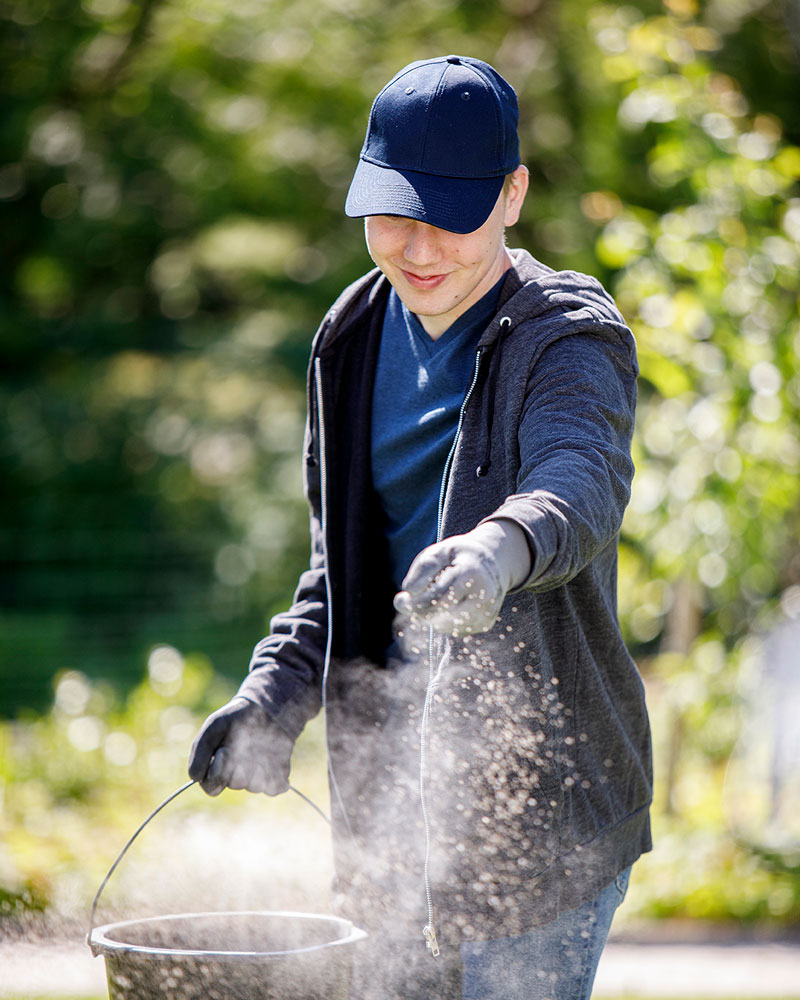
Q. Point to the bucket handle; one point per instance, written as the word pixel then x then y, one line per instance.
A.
pixel 141 827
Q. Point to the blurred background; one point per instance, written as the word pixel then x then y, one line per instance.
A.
pixel 172 177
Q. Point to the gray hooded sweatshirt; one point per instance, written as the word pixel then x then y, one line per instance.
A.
pixel 536 770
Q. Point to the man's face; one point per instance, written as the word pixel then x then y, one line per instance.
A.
pixel 439 275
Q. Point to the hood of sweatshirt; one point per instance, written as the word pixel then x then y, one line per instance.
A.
pixel 565 300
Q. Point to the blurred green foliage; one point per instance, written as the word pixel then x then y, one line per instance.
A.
pixel 172 180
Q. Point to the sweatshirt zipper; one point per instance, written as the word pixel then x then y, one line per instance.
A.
pixel 323 503
pixel 429 931
pixel 449 461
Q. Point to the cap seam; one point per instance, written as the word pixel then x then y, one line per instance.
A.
pixel 434 94
pixel 498 118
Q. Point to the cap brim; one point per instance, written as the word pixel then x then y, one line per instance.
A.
pixel 458 204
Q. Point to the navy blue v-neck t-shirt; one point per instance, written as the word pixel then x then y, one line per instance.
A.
pixel 420 384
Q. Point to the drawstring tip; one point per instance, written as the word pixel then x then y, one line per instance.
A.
pixel 430 941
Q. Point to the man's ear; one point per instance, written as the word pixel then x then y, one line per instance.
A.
pixel 515 195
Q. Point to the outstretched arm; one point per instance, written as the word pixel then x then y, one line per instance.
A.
pixel 573 486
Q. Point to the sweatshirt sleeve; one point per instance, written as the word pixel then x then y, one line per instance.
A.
pixel 286 670
pixel 575 449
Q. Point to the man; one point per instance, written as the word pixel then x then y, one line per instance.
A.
pixel 467 468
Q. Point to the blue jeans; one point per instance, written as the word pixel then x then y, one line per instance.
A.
pixel 554 962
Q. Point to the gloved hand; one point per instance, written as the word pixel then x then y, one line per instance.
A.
pixel 240 746
pixel 457 586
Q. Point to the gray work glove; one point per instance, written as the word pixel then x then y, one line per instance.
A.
pixel 240 746
pixel 458 585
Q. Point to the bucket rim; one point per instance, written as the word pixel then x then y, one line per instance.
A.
pixel 101 943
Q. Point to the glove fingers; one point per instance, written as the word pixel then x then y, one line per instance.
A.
pixel 443 588
pixel 199 757
pixel 240 747
pixel 205 745
pixel 269 782
pixel 242 777
pixel 272 776
pixel 456 584
pixel 468 606
pixel 260 779
pixel 278 777
pixel 453 591
pixel 219 772
pixel 425 568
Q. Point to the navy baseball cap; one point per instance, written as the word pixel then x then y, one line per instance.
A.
pixel 441 137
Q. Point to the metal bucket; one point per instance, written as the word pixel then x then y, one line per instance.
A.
pixel 250 955
pixel 227 956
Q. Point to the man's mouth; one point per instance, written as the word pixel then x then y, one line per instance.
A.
pixel 423 281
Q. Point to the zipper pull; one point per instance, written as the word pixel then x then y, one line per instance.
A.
pixel 430 940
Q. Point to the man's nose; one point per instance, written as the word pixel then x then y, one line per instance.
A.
pixel 422 245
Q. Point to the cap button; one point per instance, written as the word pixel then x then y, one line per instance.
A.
pixel 454 59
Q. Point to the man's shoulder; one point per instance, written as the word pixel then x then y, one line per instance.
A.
pixel 539 291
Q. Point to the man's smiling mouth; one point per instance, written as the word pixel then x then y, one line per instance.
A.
pixel 423 281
